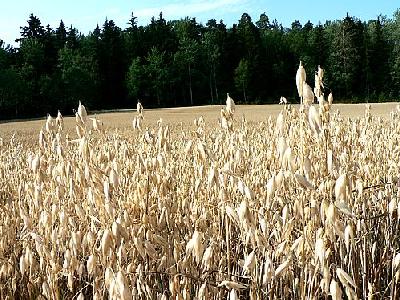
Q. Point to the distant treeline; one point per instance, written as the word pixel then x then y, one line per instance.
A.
pixel 183 62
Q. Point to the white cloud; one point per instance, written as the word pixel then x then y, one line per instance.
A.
pixel 191 8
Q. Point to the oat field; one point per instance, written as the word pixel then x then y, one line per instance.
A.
pixel 247 202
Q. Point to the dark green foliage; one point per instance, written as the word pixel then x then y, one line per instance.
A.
pixel 242 76
pixel 393 36
pixel 156 72
pixel 112 68
pixel 78 79
pixel 183 62
pixel 34 29
pixel 134 78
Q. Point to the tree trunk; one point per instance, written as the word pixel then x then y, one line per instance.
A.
pixel 211 89
pixel 215 84
pixel 244 93
pixel 190 86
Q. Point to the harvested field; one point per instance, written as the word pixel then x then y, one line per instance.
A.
pixel 186 115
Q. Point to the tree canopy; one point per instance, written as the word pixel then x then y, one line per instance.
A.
pixel 183 62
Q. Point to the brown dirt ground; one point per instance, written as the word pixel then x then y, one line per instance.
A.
pixel 186 115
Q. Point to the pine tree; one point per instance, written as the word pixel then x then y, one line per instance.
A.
pixel 33 30
pixel 345 57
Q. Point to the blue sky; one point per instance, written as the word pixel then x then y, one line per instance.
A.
pixel 85 14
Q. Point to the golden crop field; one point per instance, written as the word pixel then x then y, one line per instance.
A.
pixel 251 202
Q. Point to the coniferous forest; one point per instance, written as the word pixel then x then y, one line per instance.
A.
pixel 183 62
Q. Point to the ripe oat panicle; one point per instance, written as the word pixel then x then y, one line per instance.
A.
pixel 304 204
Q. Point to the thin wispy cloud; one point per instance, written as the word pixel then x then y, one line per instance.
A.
pixel 192 8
